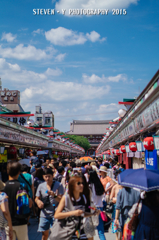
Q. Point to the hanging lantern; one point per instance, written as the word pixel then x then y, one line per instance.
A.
pixel 123 148
pixel 148 143
pixel 30 122
pixel 12 150
pixel 133 146
pixel 107 134
pixel 117 152
pixel 113 151
pixel 27 152
pixel 51 133
pixel 122 112
pixel 111 129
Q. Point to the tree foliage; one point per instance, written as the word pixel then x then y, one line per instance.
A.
pixel 80 140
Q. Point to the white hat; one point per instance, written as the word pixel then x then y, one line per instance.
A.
pixel 103 169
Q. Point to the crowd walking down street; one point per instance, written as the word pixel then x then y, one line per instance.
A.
pixel 67 199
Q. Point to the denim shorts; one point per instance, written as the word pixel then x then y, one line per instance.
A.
pixel 45 224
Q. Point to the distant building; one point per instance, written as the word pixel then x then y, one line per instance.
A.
pixel 10 99
pixel 45 119
pixel 92 130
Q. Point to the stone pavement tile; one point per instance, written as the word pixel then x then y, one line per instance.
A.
pixel 32 230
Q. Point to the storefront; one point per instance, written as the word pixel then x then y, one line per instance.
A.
pixel 139 122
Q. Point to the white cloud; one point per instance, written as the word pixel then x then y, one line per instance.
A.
pixel 92 4
pixel 112 107
pixel 94 37
pixel 38 31
pixel 13 73
pixel 119 77
pixel 9 37
pixel 66 37
pixel 60 57
pixel 63 91
pixel 53 72
pixel 6 66
pixel 96 79
pixel 24 53
pixel 92 79
pixel 108 111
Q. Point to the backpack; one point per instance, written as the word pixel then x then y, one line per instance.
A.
pixel 22 199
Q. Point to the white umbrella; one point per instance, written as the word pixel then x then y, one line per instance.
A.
pixel 25 161
pixel 41 152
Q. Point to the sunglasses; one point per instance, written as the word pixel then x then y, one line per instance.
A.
pixel 79 183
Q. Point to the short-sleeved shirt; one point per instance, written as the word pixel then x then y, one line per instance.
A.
pixel 48 211
pixel 104 181
pixel 11 188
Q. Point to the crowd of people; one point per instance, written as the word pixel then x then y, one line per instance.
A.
pixel 71 199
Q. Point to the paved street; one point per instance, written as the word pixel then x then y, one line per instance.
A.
pixel 34 235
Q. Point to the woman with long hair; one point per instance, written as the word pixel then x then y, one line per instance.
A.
pixel 97 196
pixel 75 193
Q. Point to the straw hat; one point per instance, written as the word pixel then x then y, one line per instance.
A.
pixel 103 169
pixel 92 164
pixel 2 185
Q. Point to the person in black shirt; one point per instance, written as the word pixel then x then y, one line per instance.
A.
pixel 20 230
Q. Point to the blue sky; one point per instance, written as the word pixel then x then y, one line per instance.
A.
pixel 79 67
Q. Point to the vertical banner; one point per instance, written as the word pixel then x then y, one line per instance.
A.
pixel 151 159
pixel 140 146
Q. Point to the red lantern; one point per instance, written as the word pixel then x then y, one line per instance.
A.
pixel 12 150
pixel 113 151
pixel 27 152
pixel 117 152
pixel 148 143
pixel 123 148
pixel 133 146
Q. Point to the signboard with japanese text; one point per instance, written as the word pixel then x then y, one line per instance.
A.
pixel 20 137
pixel 143 120
pixel 18 120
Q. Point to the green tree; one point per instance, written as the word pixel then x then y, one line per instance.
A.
pixel 80 140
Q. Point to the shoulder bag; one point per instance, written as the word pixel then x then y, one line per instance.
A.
pixel 131 224
pixel 64 229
